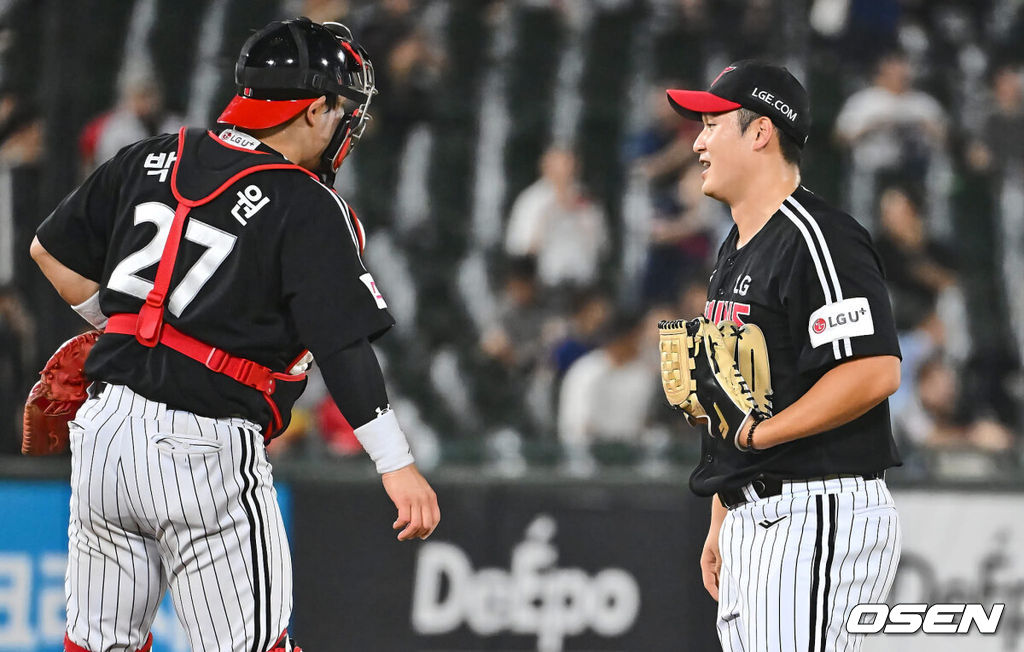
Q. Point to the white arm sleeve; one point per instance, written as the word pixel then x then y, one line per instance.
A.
pixel 385 443
pixel 89 310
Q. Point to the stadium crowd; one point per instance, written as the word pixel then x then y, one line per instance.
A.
pixel 534 205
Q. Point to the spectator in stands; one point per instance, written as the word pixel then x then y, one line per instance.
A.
pixel 757 31
pixel 1003 133
pixel 918 269
pixel 321 11
pixel 590 312
pixel 664 145
pixel 891 130
pixel 935 419
pixel 514 340
pixel 21 132
pixel 864 27
pixel 655 155
pixel 922 343
pixel 694 297
pixel 512 348
pixel 409 61
pixel 554 222
pixel 140 113
pixel 680 240
pixel 607 394
pixel 999 151
pixel 407 65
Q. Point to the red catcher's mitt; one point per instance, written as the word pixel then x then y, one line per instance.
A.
pixel 55 399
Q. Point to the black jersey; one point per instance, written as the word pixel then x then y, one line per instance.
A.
pixel 811 283
pixel 269 268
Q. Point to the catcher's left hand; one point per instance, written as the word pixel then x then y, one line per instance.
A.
pixel 700 377
pixel 56 397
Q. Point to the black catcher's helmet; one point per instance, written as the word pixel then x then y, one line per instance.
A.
pixel 287 65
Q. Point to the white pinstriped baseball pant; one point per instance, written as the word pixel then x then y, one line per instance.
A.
pixel 795 565
pixel 162 499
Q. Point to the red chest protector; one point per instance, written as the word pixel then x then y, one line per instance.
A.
pixel 148 324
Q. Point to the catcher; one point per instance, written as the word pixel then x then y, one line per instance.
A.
pixel 219 258
pixel 791 386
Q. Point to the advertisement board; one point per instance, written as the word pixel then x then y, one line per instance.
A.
pixel 590 567
pixel 546 567
pixel 960 548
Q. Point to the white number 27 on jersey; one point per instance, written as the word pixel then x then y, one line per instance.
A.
pixel 218 245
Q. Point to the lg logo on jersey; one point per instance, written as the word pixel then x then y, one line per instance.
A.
pixel 742 285
pixel 840 319
pixel 934 619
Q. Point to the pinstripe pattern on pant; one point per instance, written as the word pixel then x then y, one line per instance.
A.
pixel 795 565
pixel 164 499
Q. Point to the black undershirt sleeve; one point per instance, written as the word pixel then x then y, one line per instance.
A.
pixel 353 376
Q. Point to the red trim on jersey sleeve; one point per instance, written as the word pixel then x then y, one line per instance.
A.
pixel 359 230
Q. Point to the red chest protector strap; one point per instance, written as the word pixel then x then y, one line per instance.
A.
pixel 148 324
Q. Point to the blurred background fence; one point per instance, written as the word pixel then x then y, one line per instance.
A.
pixel 533 209
pixel 532 202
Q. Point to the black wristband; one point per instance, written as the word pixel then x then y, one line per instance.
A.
pixel 750 434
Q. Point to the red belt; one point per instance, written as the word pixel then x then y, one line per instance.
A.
pixel 249 373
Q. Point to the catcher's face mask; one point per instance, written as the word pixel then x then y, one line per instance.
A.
pixel 352 124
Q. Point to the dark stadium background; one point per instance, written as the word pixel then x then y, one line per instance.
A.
pixel 472 95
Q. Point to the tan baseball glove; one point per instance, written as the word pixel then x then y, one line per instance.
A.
pixel 749 349
pixel 700 376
